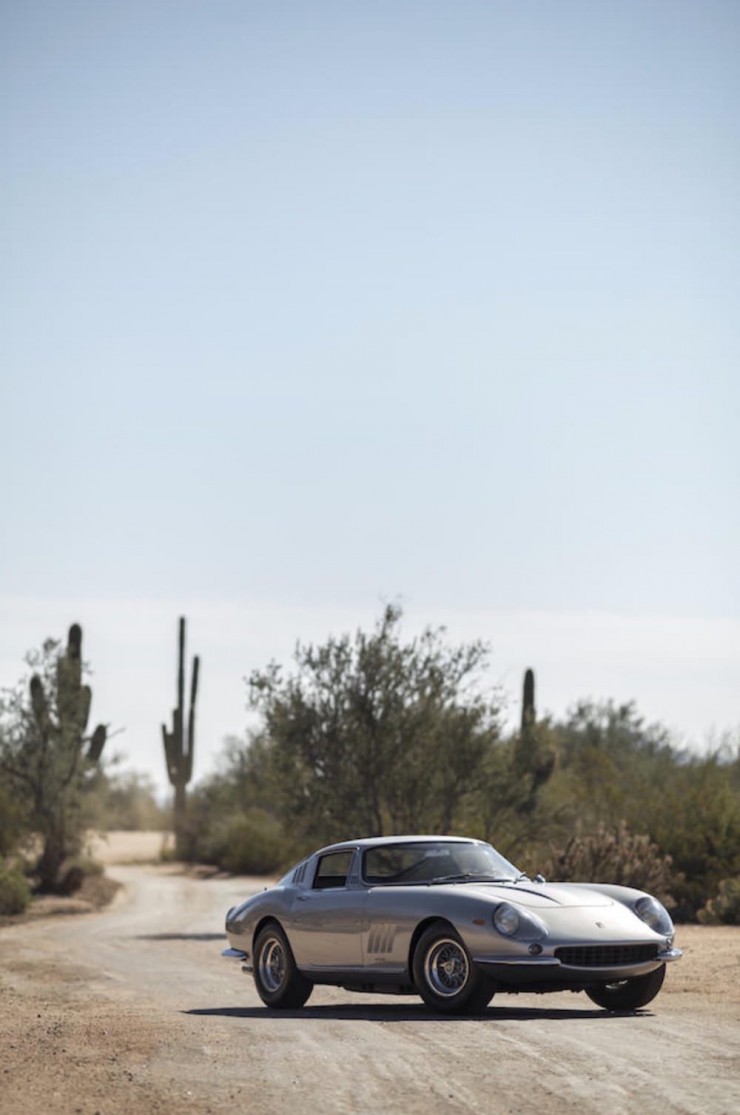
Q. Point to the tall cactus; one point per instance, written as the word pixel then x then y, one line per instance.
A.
pixel 534 757
pixel 529 714
pixel 179 744
pixel 60 718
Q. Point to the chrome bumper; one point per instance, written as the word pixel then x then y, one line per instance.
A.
pixel 239 954
pixel 543 970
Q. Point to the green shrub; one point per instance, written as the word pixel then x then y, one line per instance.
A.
pixel 725 908
pixel 251 843
pixel 613 855
pixel 14 892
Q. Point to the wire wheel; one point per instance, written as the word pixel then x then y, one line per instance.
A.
pixel 279 983
pixel 272 965
pixel 446 967
pixel 444 974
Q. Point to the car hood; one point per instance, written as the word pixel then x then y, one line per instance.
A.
pixel 538 896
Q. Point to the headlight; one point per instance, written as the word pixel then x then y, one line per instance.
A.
pixel 653 914
pixel 506 919
pixel 522 924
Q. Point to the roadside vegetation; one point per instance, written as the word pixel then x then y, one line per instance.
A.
pixel 372 734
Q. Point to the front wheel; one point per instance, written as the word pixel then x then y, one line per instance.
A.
pixel 628 994
pixel 445 975
pixel 279 983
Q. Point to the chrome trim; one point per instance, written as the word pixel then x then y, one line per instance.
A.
pixel 520 961
pixel 550 963
pixel 235 954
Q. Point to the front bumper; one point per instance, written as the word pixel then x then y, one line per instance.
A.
pixel 239 954
pixel 535 971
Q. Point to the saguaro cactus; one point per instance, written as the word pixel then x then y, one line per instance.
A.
pixel 179 744
pixel 534 757
pixel 60 718
pixel 529 714
pixel 526 744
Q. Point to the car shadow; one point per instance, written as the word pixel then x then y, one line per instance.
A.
pixel 354 1012
pixel 181 937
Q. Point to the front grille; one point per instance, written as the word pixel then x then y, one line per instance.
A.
pixel 605 956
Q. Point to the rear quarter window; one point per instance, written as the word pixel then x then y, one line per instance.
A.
pixel 332 870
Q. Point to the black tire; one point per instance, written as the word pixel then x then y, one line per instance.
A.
pixel 444 974
pixel 279 983
pixel 628 994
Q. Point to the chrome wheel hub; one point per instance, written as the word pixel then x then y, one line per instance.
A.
pixel 272 965
pixel 446 968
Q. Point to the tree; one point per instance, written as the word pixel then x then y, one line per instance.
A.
pixel 610 762
pixel 371 735
pixel 46 754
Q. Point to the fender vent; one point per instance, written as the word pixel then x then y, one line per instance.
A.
pixel 605 956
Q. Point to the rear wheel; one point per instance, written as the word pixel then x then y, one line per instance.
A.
pixel 279 983
pixel 628 994
pixel 445 976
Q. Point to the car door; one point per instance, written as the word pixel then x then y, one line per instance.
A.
pixel 326 920
pixel 391 915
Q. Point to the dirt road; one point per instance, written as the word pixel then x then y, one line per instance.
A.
pixel 132 1011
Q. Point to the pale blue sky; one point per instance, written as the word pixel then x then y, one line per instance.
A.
pixel 307 305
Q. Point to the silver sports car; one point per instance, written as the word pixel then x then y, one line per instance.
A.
pixel 448 919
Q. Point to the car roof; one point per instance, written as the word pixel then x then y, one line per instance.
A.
pixel 378 841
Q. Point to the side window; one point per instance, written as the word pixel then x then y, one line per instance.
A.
pixel 332 870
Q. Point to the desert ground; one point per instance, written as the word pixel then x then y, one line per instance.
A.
pixel 131 1010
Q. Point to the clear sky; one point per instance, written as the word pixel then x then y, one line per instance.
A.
pixel 309 305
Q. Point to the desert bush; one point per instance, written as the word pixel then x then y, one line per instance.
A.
pixel 14 890
pixel 724 909
pixel 74 871
pixel 253 844
pixel 613 767
pixel 245 841
pixel 696 817
pixel 613 855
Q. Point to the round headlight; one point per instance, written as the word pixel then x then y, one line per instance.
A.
pixel 655 915
pixel 506 919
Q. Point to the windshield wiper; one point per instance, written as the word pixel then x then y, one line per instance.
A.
pixel 468 877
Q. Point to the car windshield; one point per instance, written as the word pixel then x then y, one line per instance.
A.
pixel 435 862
